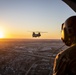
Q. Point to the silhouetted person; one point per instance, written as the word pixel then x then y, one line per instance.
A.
pixel 65 61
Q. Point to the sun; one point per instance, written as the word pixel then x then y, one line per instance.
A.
pixel 1 34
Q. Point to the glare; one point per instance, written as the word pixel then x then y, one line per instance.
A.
pixel 1 34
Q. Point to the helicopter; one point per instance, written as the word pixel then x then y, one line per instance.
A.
pixel 37 33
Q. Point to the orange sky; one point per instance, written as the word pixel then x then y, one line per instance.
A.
pixel 19 17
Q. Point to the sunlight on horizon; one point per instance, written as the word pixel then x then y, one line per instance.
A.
pixel 1 34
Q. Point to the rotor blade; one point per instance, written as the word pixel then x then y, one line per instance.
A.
pixel 43 32
pixel 71 3
pixel 40 32
pixel 30 31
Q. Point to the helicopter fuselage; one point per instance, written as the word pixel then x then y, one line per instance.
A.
pixel 36 34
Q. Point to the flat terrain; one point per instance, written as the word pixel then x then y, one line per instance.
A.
pixel 28 57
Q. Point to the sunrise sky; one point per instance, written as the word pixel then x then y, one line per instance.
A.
pixel 17 17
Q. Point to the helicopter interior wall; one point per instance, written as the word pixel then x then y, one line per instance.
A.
pixel 71 3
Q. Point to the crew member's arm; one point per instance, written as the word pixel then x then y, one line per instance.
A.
pixel 59 65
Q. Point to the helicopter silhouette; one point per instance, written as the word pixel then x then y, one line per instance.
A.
pixel 37 33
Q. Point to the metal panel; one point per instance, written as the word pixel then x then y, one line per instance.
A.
pixel 71 3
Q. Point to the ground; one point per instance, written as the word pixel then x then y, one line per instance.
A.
pixel 28 57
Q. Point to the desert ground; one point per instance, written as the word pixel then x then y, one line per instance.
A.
pixel 28 57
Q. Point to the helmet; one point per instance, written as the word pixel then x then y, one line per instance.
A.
pixel 68 30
